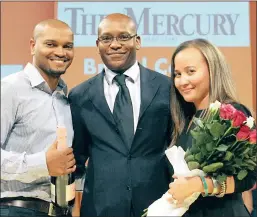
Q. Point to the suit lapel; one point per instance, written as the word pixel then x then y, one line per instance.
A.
pixel 96 95
pixel 149 88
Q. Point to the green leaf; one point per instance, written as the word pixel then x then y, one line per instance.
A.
pixel 254 158
pixel 216 129
pixel 222 147
pixel 195 134
pixel 198 136
pixel 252 168
pixel 198 157
pixel 228 156
pixel 247 156
pixel 203 164
pixel 250 162
pixel 208 138
pixel 189 158
pixel 193 165
pixel 221 178
pixel 237 166
pixel 245 151
pixel 194 149
pixel 242 174
pixel 232 169
pixel 203 151
pixel 244 164
pixel 212 167
pixel 209 146
pixel 187 152
pixel 201 137
pixel 238 162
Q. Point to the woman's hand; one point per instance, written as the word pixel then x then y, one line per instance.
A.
pixel 183 187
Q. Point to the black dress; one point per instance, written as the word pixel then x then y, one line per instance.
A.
pixel 227 206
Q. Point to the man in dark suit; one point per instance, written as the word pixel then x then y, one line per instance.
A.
pixel 121 120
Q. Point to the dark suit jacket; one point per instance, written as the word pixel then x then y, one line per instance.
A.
pixel 119 176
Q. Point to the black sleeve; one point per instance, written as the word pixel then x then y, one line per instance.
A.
pixel 249 181
pixel 81 140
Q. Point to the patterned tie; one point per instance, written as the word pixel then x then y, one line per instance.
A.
pixel 123 110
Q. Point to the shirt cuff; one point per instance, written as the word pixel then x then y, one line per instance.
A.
pixel 37 165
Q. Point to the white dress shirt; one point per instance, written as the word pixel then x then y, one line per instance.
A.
pixel 133 83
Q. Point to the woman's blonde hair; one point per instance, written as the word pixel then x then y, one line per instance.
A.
pixel 221 84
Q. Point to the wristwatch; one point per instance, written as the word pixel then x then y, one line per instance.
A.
pixel 215 187
pixel 223 188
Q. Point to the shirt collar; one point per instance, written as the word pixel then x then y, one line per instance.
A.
pixel 36 80
pixel 133 73
pixel 62 87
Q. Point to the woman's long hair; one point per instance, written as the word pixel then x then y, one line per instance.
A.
pixel 221 84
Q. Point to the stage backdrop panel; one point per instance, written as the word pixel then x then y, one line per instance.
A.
pixel 163 26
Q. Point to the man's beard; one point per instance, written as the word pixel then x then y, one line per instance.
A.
pixel 54 73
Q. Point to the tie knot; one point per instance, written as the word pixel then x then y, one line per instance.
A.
pixel 120 79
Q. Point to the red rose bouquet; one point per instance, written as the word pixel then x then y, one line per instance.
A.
pixel 224 143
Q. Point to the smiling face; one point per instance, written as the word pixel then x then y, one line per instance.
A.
pixel 52 50
pixel 191 77
pixel 118 56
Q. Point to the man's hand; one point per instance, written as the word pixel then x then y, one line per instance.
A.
pixel 60 162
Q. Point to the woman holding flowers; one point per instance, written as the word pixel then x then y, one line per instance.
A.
pixel 200 76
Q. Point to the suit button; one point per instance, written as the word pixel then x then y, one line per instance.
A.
pixel 129 157
pixel 128 188
pixel 117 130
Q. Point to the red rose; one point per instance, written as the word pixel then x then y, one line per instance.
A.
pixel 243 133
pixel 238 118
pixel 227 111
pixel 252 137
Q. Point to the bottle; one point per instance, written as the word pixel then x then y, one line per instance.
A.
pixel 63 187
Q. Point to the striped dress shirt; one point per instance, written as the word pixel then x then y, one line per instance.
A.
pixel 30 114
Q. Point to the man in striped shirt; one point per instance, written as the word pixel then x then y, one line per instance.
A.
pixel 33 103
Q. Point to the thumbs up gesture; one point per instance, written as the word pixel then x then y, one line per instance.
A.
pixel 60 161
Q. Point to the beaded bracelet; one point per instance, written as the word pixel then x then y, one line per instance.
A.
pixel 223 189
pixel 205 186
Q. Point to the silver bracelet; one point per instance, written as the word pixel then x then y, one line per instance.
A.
pixel 215 187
